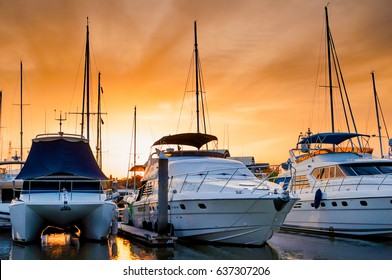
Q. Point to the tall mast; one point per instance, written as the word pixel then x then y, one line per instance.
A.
pixel 86 87
pixel 99 122
pixel 1 134
pixel 134 149
pixel 21 111
pixel 197 79
pixel 329 68
pixel 377 115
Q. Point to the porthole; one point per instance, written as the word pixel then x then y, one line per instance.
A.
pixel 322 204
pixel 344 203
pixel 363 203
pixel 182 206
pixel 202 206
pixel 334 204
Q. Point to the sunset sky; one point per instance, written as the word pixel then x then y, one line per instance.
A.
pixel 260 61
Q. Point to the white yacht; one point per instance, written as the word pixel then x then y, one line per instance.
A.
pixel 62 187
pixel 343 188
pixel 8 171
pixel 210 197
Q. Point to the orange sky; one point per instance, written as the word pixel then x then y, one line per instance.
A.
pixel 259 58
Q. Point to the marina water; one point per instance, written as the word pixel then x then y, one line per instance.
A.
pixel 283 246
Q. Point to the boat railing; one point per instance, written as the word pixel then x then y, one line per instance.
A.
pixel 357 182
pixel 65 187
pixel 343 184
pixel 221 178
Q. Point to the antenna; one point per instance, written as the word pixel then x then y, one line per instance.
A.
pixel 61 119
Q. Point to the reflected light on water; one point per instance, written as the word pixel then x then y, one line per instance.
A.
pixel 60 245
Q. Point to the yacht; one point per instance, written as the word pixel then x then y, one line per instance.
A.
pixel 62 187
pixel 343 188
pixel 210 197
pixel 8 171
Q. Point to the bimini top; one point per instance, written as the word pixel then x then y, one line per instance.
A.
pixel 60 156
pixel 330 138
pixel 196 140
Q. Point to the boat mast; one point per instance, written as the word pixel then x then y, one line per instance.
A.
pixel 21 111
pixel 329 68
pixel 134 154
pixel 99 122
pixel 134 149
pixel 86 87
pixel 197 79
pixel 377 115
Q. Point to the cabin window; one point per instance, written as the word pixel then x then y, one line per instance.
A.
pixel 366 170
pixel 202 206
pixel 339 172
pixel 330 172
pixel 334 204
pixel 322 204
pixel 363 203
pixel 344 203
pixel 182 206
pixel 385 169
pixel 316 173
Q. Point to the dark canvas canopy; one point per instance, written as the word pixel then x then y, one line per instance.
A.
pixel 60 156
pixel 196 140
pixel 330 138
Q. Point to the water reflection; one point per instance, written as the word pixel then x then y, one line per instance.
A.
pixel 283 246
pixel 60 247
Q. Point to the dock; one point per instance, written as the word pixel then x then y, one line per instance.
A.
pixel 147 237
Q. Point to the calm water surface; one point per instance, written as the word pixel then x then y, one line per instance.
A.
pixel 283 246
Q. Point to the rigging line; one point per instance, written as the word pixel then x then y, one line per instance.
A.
pixel 77 75
pixel 185 91
pixel 319 64
pixel 334 57
pixel 202 97
pixel 204 101
pixel 382 116
pixel 344 86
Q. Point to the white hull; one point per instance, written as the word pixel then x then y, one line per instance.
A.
pixel 347 215
pixel 93 218
pixel 232 221
pixel 5 220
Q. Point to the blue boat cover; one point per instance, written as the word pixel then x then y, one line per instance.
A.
pixel 60 156
pixel 330 138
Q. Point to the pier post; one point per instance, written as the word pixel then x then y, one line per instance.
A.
pixel 163 178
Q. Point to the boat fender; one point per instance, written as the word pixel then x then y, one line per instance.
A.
pixel 114 228
pixel 170 228
pixel 317 198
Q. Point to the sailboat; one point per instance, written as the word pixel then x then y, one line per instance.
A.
pixel 210 198
pixel 343 188
pixel 10 167
pixel 63 187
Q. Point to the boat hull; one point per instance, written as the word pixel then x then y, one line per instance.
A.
pixel 29 219
pixel 345 215
pixel 5 220
pixel 250 221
